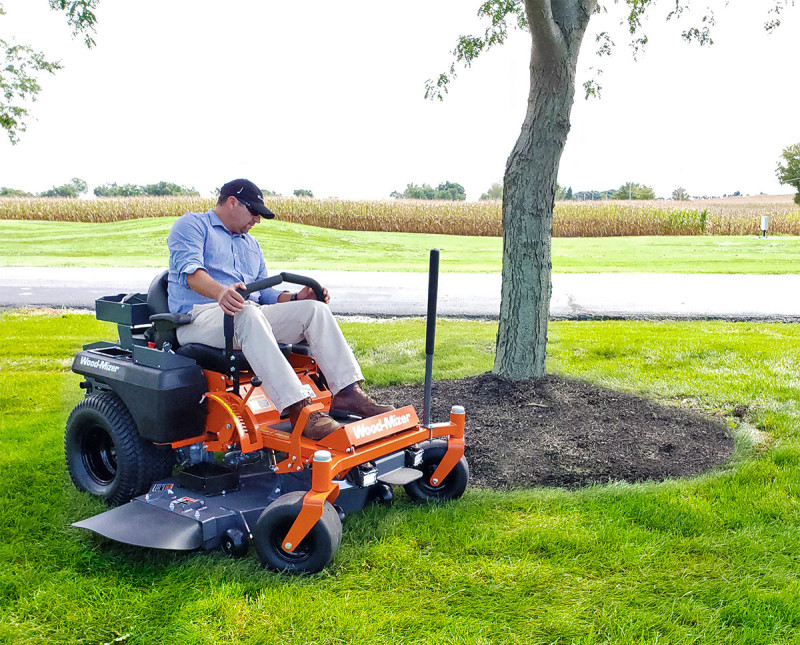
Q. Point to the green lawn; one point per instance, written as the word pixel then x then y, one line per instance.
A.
pixel 713 560
pixel 142 242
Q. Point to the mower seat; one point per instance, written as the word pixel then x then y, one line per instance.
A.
pixel 165 325
pixel 211 358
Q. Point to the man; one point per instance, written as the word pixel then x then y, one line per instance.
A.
pixel 211 255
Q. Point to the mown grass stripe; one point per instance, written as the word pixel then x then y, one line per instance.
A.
pixel 708 560
pixel 143 243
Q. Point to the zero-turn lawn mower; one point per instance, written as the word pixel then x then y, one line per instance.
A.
pixel 190 453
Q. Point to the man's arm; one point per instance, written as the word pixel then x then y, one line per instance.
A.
pixel 227 297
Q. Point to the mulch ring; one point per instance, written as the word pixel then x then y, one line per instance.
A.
pixel 562 432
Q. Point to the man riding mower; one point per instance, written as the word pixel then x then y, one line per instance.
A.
pixel 186 446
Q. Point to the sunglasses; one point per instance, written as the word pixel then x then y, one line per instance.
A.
pixel 252 210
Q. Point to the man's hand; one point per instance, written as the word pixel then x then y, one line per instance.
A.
pixel 227 297
pixel 307 293
pixel 230 300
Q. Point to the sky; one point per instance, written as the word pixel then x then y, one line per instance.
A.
pixel 329 97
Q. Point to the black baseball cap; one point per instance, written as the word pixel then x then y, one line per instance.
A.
pixel 249 194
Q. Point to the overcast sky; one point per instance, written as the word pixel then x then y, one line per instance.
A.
pixel 328 96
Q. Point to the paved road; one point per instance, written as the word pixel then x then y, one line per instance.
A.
pixel 575 296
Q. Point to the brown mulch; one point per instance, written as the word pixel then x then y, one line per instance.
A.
pixel 562 432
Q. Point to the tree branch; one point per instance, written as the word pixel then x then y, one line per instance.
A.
pixel 548 41
pixel 557 26
pixel 20 65
pixel 80 16
pixel 469 48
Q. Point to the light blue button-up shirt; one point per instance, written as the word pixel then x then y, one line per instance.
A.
pixel 201 241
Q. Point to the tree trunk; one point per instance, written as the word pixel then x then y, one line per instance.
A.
pixel 529 187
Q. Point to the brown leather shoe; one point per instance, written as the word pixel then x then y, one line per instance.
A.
pixel 353 400
pixel 319 424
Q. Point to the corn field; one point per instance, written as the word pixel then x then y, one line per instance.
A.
pixel 733 216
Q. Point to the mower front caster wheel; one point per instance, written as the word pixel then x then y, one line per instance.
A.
pixel 453 486
pixel 315 551
pixel 234 543
pixel 382 494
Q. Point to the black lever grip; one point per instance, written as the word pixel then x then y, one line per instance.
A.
pixel 266 283
pixel 258 285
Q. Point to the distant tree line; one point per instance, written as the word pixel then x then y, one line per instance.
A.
pixel 790 171
pixel 161 189
pixel 445 190
pixel 629 190
pixel 78 187
pixel 74 188
pixel 626 191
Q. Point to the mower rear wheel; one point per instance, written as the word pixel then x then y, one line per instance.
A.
pixel 453 486
pixel 105 454
pixel 315 551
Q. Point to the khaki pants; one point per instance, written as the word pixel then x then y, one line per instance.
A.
pixel 259 328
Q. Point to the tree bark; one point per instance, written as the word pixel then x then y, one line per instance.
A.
pixel 557 29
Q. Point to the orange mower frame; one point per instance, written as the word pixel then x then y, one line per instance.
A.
pixel 250 422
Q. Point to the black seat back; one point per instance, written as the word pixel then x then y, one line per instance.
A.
pixel 157 298
pixel 158 303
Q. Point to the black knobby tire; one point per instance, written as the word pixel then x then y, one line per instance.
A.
pixel 105 454
pixel 313 554
pixel 453 485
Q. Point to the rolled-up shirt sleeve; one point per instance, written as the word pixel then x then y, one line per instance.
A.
pixel 186 243
pixel 268 296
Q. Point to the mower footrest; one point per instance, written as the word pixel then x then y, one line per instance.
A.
pixel 400 476
pixel 143 524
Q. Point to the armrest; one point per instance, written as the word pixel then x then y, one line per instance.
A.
pixel 170 321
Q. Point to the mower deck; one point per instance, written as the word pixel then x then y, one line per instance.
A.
pixel 184 518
